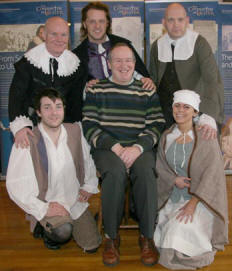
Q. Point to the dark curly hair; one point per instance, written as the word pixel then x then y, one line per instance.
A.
pixel 51 93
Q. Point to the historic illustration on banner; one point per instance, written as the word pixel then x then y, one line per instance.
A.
pixel 16 38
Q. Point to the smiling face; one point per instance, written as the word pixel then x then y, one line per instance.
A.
pixel 56 36
pixel 122 65
pixel 183 113
pixel 51 113
pixel 175 21
pixel 96 24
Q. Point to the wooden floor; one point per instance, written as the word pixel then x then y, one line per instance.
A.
pixel 20 251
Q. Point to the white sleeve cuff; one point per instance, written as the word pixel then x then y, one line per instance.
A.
pixel 20 122
pixel 139 146
pixel 206 119
pixel 137 75
pixel 84 92
pixel 90 188
pixel 42 211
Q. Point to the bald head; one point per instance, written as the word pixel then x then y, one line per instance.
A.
pixel 56 35
pixel 175 6
pixel 175 20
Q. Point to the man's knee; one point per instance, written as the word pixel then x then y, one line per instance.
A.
pixel 114 178
pixel 144 166
pixel 85 231
pixel 60 234
pixel 107 163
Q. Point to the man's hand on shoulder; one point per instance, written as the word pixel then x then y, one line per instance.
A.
pixel 92 83
pixel 21 137
pixel 208 132
pixel 148 83
pixel 208 126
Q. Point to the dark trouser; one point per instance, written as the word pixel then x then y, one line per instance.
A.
pixel 114 181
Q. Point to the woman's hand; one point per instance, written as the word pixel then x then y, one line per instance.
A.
pixel 187 211
pixel 182 182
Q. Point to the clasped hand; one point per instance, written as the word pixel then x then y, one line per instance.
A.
pixel 182 182
pixel 127 154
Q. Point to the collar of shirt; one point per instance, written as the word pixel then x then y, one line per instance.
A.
pixel 111 79
pixel 39 57
pixel 174 135
pixel 48 140
pixel 101 49
pixel 184 46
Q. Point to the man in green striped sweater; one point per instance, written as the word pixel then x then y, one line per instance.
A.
pixel 123 122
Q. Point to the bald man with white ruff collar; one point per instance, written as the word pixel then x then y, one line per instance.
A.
pixel 183 59
pixel 49 64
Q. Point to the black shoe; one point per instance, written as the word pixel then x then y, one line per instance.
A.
pixel 91 251
pixel 50 244
pixel 38 231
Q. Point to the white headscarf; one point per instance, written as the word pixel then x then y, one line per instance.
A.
pixel 187 97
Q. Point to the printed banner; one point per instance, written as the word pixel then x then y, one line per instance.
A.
pixel 19 22
pixel 225 65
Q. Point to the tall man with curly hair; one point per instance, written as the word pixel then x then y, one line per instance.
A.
pixel 97 41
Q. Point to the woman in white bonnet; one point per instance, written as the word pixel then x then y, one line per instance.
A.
pixel 193 220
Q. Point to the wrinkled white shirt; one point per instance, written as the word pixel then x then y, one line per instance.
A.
pixel 63 186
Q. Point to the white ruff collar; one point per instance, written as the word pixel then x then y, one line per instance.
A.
pixel 39 57
pixel 184 47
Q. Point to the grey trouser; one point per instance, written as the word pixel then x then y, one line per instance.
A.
pixel 84 230
pixel 114 180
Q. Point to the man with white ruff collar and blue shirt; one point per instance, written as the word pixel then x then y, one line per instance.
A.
pixel 183 59
pixel 49 64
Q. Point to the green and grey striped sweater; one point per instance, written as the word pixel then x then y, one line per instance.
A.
pixel 125 114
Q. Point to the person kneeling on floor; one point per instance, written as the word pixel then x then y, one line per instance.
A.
pixel 54 178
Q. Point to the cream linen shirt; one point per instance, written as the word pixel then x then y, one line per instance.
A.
pixel 63 186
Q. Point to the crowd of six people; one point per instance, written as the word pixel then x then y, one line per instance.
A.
pixel 98 109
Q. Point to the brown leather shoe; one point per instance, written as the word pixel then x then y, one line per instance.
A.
pixel 110 253
pixel 149 254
